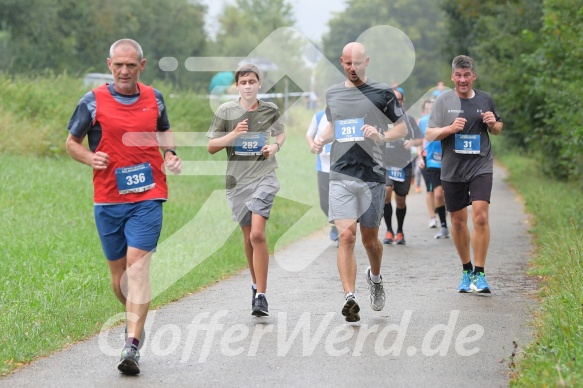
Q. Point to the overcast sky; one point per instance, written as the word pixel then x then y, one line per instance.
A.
pixel 311 15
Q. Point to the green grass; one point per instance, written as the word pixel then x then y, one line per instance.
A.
pixel 54 284
pixel 555 357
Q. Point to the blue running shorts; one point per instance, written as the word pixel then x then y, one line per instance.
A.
pixel 137 225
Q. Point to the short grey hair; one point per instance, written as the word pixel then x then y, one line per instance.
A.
pixel 129 42
pixel 462 62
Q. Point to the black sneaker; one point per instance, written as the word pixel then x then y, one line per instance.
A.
pixel 260 307
pixel 254 292
pixel 129 361
pixel 350 309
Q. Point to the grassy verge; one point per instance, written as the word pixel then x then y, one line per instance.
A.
pixel 55 287
pixel 555 357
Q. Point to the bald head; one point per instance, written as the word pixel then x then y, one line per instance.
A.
pixel 354 61
pixel 354 49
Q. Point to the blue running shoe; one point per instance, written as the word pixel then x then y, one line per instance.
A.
pixel 333 233
pixel 479 283
pixel 466 283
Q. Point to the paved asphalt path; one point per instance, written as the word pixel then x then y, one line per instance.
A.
pixel 428 335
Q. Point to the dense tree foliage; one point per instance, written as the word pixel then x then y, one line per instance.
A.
pixel 528 52
pixel 75 36
pixel 262 30
pixel 246 23
pixel 421 20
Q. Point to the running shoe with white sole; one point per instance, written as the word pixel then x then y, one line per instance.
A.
pixel 377 292
pixel 260 307
pixel 465 284
pixel 479 283
pixel 351 308
pixel 129 361
pixel 443 233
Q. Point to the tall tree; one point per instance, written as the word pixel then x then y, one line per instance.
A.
pixel 247 23
pixel 257 28
pixel 421 20
pixel 530 60
pixel 74 36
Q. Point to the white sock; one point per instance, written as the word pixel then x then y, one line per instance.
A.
pixel 254 286
pixel 350 294
pixel 259 293
pixel 375 278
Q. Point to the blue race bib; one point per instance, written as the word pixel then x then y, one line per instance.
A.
pixel 467 144
pixel 134 179
pixel 396 174
pixel 250 143
pixel 348 130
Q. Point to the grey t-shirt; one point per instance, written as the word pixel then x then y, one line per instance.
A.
pixel 374 104
pixel 468 153
pixel 397 155
pixel 244 165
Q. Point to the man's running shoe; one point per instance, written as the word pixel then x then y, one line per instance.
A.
pixel 129 361
pixel 389 238
pixel 254 294
pixel 333 233
pixel 260 307
pixel 443 233
pixel 377 292
pixel 142 337
pixel 400 239
pixel 432 223
pixel 465 284
pixel 479 283
pixel 350 309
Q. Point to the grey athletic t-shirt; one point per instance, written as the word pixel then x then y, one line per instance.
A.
pixel 468 153
pixel 397 155
pixel 244 165
pixel 372 103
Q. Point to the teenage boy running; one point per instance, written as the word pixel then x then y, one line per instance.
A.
pixel 244 128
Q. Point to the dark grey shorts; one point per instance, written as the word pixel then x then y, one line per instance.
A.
pixel 357 200
pixel 255 198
